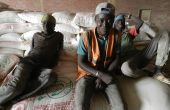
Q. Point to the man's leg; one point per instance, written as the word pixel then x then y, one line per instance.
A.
pixel 43 78
pixel 133 66
pixel 16 84
pixel 83 92
pixel 114 97
pixel 162 57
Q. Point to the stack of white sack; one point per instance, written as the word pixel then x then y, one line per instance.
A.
pixel 11 28
pixel 23 25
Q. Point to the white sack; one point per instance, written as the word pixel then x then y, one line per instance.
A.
pixel 28 35
pixel 69 39
pixel 84 19
pixel 18 27
pixel 10 17
pixel 70 43
pixel 67 28
pixel 11 37
pixel 63 17
pixel 153 94
pixel 24 45
pixel 32 17
pixel 17 52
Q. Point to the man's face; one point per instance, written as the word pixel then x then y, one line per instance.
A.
pixel 119 25
pixel 48 27
pixel 104 23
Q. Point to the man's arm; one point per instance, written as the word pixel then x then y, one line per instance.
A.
pixel 114 64
pixel 62 42
pixel 116 61
pixel 85 65
pixel 32 43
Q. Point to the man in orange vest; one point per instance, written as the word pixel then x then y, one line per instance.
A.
pixel 98 59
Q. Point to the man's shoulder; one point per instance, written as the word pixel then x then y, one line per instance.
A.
pixel 88 31
pixel 38 33
pixel 59 35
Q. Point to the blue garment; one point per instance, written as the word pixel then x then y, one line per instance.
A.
pixel 81 50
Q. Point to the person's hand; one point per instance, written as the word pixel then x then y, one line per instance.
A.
pixel 127 15
pixel 105 78
pixel 100 84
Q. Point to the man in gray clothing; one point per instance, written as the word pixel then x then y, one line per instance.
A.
pixel 159 46
pixel 34 71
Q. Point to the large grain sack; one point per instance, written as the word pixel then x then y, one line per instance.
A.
pixel 24 45
pixel 11 37
pixel 7 51
pixel 7 62
pixel 69 39
pixel 67 28
pixel 70 44
pixel 63 17
pixel 18 27
pixel 84 19
pixel 153 94
pixel 59 96
pixel 10 17
pixel 28 35
pixel 32 17
pixel 145 93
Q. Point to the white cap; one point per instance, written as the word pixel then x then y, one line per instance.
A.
pixel 105 8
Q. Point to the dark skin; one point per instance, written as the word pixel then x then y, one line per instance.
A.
pixel 103 27
pixel 48 27
pixel 119 25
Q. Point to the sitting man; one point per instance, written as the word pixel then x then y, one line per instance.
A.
pixel 158 46
pixel 41 59
pixel 98 58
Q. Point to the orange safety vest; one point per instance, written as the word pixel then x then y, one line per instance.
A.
pixel 90 39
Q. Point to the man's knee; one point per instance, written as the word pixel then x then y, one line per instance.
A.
pixel 8 92
pixel 83 92
pixel 163 49
pixel 127 70
pixel 114 97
